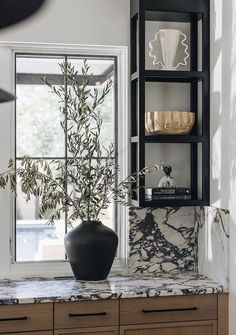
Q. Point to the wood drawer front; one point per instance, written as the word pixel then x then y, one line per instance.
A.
pixel 179 328
pixel 33 333
pixel 89 331
pixel 86 313
pixel 26 317
pixel 168 309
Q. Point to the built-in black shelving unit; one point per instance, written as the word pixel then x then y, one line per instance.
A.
pixel 195 15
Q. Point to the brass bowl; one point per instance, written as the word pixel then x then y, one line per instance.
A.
pixel 169 123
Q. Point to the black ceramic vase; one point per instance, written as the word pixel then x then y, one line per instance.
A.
pixel 91 248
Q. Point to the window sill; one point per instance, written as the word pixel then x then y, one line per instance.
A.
pixel 51 269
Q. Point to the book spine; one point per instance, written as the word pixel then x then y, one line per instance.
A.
pixel 172 191
pixel 171 197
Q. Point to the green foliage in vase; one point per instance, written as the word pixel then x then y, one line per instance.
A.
pixel 85 185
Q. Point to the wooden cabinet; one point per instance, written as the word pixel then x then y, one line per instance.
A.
pixel 99 317
pixel 98 313
pixel 26 317
pixel 168 309
pixel 175 315
pixel 179 328
pixel 205 314
pixel 90 331
pixel 33 333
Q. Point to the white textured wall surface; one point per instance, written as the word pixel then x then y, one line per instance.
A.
pixel 212 230
pixel 75 21
pixel 223 124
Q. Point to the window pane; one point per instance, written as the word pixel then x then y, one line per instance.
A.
pixel 38 130
pixel 36 240
pixel 107 114
pixel 101 71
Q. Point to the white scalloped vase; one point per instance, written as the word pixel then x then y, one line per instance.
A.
pixel 169 41
pixel 169 44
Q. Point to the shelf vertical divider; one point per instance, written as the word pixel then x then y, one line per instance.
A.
pixel 194 104
pixel 141 107
pixel 206 104
pixel 133 91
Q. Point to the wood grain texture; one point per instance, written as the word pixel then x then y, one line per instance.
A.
pixel 33 333
pixel 62 311
pixel 223 314
pixel 89 331
pixel 168 309
pixel 179 328
pixel 39 317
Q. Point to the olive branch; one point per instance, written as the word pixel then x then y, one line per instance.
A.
pixel 90 171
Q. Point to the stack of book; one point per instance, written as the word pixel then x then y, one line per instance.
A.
pixel 159 193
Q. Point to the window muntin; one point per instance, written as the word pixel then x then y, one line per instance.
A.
pixel 39 135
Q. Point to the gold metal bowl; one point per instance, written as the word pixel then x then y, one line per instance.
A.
pixel 169 123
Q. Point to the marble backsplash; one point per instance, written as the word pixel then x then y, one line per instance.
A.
pixel 162 239
pixel 179 239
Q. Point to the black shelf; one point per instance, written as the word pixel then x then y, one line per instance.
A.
pixel 170 76
pixel 169 139
pixel 195 14
pixel 169 16
pixel 173 76
pixel 169 203
pixel 173 139
pixel 174 11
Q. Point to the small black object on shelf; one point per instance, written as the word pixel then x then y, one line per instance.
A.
pixel 167 181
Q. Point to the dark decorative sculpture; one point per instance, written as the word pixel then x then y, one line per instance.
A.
pixel 167 181
pixel 13 11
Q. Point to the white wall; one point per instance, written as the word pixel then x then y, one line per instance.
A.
pixel 75 21
pixel 223 124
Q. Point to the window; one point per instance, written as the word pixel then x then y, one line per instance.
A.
pixel 31 244
pixel 40 135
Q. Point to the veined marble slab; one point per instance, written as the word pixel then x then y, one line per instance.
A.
pixel 183 239
pixel 51 290
pixel 162 239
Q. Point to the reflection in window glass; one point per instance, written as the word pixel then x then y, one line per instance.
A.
pixel 39 135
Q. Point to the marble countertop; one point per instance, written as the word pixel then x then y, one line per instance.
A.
pixel 39 290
